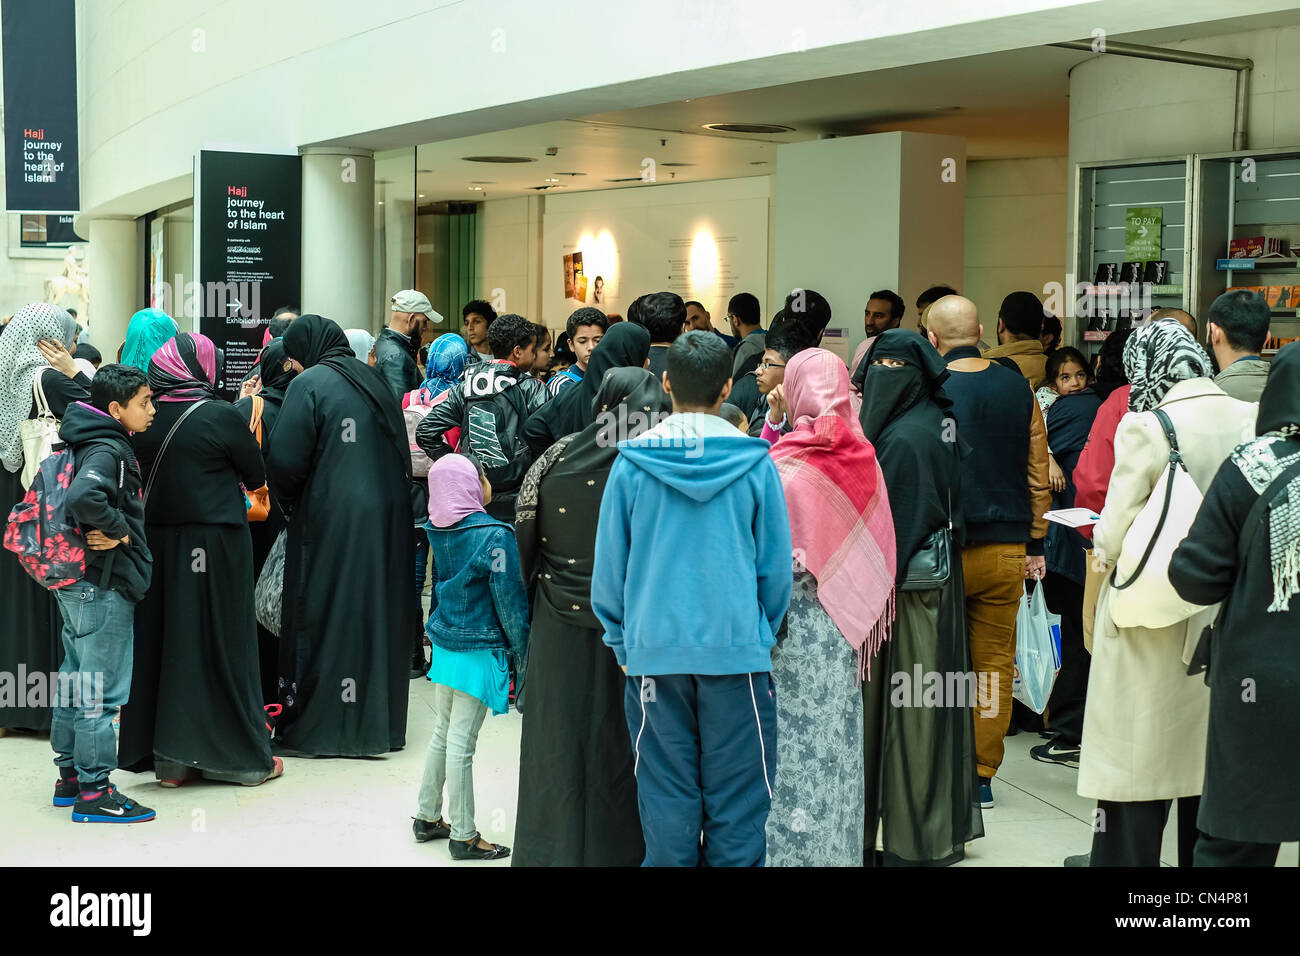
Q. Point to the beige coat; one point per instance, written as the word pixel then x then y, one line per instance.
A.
pixel 1145 724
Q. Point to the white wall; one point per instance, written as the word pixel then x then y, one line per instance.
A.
pixel 1015 216
pixel 868 212
pixel 1015 219
pixel 160 78
pixel 661 237
pixel 509 257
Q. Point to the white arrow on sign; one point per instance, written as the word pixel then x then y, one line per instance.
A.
pixel 1142 231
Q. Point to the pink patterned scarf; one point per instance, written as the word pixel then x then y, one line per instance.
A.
pixel 840 522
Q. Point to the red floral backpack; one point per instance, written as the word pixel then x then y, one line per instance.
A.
pixel 41 531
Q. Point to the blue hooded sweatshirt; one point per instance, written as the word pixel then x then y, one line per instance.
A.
pixel 692 493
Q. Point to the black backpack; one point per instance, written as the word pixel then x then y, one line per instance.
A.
pixel 493 427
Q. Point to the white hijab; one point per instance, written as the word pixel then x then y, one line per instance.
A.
pixel 361 342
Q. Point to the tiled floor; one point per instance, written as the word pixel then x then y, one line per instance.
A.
pixel 349 812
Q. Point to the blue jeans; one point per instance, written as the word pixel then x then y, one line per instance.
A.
pixel 98 629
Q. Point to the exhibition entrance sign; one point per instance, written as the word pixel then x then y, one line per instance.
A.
pixel 248 247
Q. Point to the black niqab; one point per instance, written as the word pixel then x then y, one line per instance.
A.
pixel 275 377
pixel 909 420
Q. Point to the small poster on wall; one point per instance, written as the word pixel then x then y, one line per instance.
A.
pixel 575 283
pixel 1142 233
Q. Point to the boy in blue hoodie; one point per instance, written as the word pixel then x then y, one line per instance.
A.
pixel 99 610
pixel 700 703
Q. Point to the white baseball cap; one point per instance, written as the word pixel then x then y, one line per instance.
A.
pixel 409 300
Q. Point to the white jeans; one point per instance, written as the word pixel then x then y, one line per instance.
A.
pixel 457 718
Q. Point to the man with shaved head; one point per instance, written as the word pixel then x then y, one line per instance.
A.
pixel 1178 315
pixel 1004 493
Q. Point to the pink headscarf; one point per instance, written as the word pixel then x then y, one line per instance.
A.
pixel 454 490
pixel 840 522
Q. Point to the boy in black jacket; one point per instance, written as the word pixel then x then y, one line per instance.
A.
pixel 98 611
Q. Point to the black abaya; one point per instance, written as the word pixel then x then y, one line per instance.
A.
pixel 349 603
pixel 577 786
pixel 195 690
pixel 264 533
pixel 920 758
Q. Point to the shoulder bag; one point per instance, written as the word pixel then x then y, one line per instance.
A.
pixel 1150 542
pixel 931 565
pixel 39 435
pixel 259 499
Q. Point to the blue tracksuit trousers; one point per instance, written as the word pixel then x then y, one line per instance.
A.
pixel 705 750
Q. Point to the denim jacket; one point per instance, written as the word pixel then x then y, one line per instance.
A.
pixel 479 599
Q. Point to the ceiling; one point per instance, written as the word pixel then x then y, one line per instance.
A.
pixel 1007 104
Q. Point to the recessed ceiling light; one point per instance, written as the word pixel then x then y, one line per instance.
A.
pixel 380 203
pixel 498 159
pixel 748 128
pixel 421 196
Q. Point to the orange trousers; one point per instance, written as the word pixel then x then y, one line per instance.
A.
pixel 995 579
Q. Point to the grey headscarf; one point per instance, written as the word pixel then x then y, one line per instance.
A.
pixel 20 363
pixel 1156 357
pixel 70 330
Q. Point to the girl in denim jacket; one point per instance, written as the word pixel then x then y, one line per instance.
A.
pixel 479 615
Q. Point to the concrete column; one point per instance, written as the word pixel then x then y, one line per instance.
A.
pixel 338 228
pixel 114 265
pixel 887 211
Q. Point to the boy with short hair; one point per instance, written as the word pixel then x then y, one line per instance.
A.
pixel 699 699
pixel 586 327
pixel 98 611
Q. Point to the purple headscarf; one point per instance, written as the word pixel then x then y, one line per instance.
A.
pixel 184 369
pixel 454 490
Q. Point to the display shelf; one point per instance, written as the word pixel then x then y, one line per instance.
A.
pixel 1250 265
pixel 1104 192
pixel 1240 195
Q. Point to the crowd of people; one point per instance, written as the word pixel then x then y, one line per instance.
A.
pixel 837 695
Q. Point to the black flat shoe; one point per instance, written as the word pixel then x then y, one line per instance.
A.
pixel 470 850
pixel 425 831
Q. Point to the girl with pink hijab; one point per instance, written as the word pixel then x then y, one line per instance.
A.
pixel 840 613
pixel 478 616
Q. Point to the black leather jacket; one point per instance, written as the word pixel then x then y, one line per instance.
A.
pixel 395 360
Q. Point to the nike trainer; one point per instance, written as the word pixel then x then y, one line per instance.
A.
pixel 110 806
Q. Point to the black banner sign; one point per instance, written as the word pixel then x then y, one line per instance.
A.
pixel 248 232
pixel 40 102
